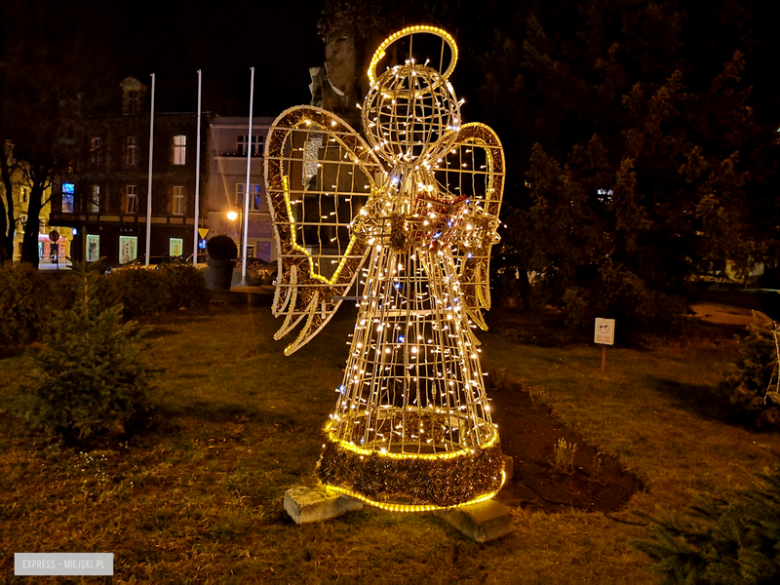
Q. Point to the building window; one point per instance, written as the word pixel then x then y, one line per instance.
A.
pixel 132 150
pixel 132 198
pixel 94 150
pixel 25 194
pixel 128 249
pixel 256 200
pixel 179 149
pixel 178 200
pixel 176 247
pixel 94 200
pixel 93 247
pixel 257 145
pixel 132 103
pixel 68 189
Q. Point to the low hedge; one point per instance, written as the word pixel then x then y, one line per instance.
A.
pixel 29 298
pixel 150 292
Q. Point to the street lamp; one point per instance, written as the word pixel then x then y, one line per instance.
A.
pixel 233 215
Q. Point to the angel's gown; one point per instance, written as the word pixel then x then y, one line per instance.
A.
pixel 413 382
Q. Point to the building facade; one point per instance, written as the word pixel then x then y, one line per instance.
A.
pixel 54 242
pixel 226 184
pixel 104 200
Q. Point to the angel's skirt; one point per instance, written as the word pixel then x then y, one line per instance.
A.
pixel 412 423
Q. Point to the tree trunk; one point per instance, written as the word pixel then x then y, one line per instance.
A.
pixel 7 223
pixel 30 239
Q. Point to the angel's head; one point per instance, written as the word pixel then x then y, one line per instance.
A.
pixel 411 115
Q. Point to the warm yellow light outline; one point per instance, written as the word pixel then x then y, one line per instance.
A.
pixel 380 52
pixel 415 508
pixel 429 456
pixel 482 143
pixel 294 243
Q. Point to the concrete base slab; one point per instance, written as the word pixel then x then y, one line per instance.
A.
pixel 305 504
pixel 509 467
pixel 480 522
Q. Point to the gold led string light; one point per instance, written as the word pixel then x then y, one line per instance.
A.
pixel 379 54
pixel 304 251
pixel 409 215
pixel 414 508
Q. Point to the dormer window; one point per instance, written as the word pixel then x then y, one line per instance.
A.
pixel 133 94
pixel 132 102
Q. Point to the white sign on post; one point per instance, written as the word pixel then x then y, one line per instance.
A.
pixel 605 331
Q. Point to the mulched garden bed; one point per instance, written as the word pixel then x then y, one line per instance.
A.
pixel 529 432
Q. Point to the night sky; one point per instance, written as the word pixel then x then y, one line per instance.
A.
pixel 223 39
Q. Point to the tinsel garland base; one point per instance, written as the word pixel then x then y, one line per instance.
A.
pixel 439 482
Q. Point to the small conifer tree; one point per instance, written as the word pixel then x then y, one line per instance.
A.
pixel 720 542
pixel 89 382
pixel 752 383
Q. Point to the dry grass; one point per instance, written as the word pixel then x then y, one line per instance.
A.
pixel 199 499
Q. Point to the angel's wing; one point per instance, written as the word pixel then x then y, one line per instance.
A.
pixel 319 173
pixel 474 167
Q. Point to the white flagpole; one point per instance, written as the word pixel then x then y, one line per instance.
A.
pixel 197 180
pixel 149 185
pixel 247 190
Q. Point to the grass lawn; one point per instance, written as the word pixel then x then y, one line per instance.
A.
pixel 200 498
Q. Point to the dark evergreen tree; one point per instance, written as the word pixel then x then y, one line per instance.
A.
pixel 752 383
pixel 89 381
pixel 718 541
pixel 644 161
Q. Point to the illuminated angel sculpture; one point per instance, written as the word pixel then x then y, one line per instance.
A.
pixel 408 216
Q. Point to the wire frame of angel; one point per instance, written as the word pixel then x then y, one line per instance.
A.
pixel 407 216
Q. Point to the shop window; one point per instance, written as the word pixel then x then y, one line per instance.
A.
pixel 176 247
pixel 128 248
pixel 93 247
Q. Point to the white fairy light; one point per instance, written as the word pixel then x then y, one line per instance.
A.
pixel 413 387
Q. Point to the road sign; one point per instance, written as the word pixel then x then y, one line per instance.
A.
pixel 54 235
pixel 203 231
pixel 605 331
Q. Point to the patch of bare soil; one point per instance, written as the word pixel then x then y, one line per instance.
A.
pixel 591 481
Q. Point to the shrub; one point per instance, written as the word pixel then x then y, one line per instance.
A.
pixel 88 381
pixel 752 382
pixel 25 295
pixel 150 292
pixel 621 295
pixel 222 248
pixel 186 287
pixel 719 541
pixel 139 292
